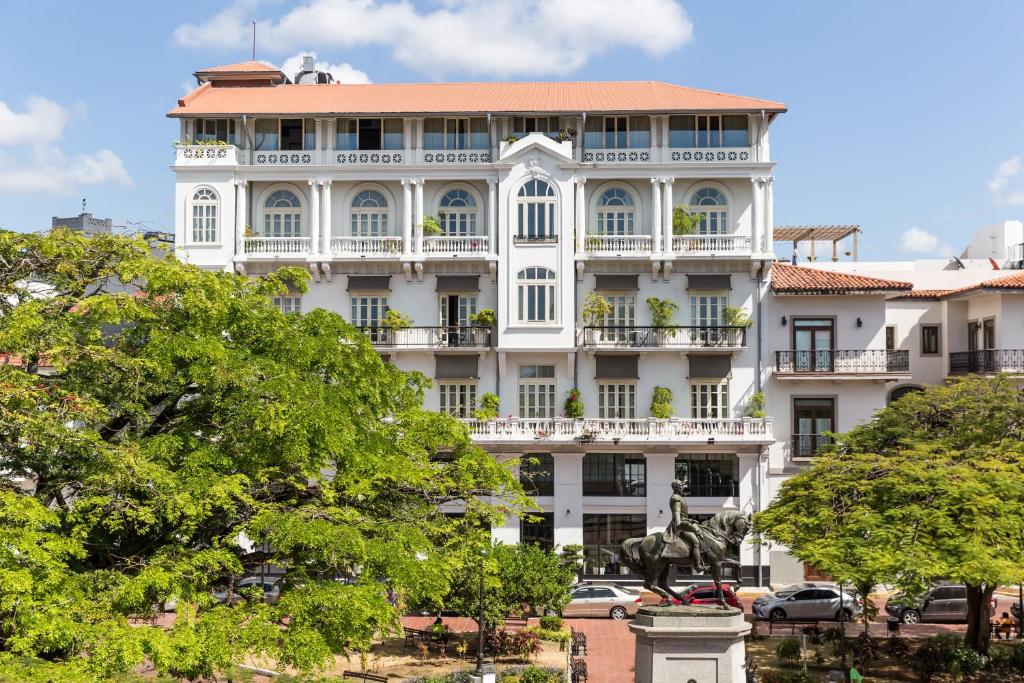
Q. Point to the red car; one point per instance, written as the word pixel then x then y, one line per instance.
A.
pixel 705 595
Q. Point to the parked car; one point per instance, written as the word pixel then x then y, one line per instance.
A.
pixel 705 595
pixel 941 603
pixel 806 601
pixel 617 602
pixel 271 589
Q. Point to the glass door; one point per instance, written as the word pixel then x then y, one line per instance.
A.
pixel 455 321
pixel 813 343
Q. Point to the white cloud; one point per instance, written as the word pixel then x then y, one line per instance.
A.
pixel 32 161
pixel 343 73
pixel 1007 183
pixel 918 241
pixel 492 38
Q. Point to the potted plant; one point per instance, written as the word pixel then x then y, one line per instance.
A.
pixel 393 321
pixel 573 407
pixel 662 311
pixel 430 227
pixel 661 403
pixel 683 222
pixel 488 409
pixel 755 407
pixel 485 317
pixel 595 309
pixel 566 134
pixel 510 139
pixel 735 316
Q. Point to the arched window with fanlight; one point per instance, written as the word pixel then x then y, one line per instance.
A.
pixel 369 214
pixel 535 289
pixel 711 210
pixel 204 215
pixel 536 212
pixel 457 214
pixel 616 213
pixel 282 215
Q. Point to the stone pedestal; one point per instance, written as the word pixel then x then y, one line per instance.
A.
pixel 488 675
pixel 689 644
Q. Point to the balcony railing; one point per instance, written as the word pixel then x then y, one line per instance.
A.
pixel 987 360
pixel 467 245
pixel 302 157
pixel 205 155
pixel 618 156
pixel 847 361
pixel 366 246
pixel 618 245
pixel 638 430
pixel 276 246
pixel 809 445
pixel 685 245
pixel 430 337
pixel 665 337
pixel 462 156
pixel 687 155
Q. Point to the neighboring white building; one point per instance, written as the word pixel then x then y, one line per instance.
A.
pixel 546 193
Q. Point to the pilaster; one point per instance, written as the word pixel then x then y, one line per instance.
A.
pixel 656 227
pixel 241 214
pixel 314 216
pixel 568 499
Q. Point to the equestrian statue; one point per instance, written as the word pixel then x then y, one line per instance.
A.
pixel 686 543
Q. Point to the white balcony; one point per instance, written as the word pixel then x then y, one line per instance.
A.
pixel 674 155
pixel 205 155
pixel 637 155
pixel 388 158
pixel 744 430
pixel 277 247
pixel 439 246
pixel 366 247
pixel 711 245
pixel 611 246
pixel 630 338
pixel 306 157
pixel 434 157
pixel 710 155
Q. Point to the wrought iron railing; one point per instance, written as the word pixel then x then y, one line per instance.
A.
pixel 987 360
pixel 535 239
pixel 665 337
pixel 809 445
pixel 430 337
pixel 844 361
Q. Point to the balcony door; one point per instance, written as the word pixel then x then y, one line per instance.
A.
pixel 456 310
pixel 813 343
pixel 813 419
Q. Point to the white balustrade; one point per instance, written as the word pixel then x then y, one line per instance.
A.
pixel 462 156
pixel 617 156
pixel 710 155
pixel 683 245
pixel 382 158
pixel 205 155
pixel 366 246
pixel 304 157
pixel 441 244
pixel 276 246
pixel 617 245
pixel 638 430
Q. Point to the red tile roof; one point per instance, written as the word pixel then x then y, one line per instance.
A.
pixel 241 67
pixel 925 294
pixel 468 98
pixel 788 279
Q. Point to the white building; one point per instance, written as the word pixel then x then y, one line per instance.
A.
pixel 546 193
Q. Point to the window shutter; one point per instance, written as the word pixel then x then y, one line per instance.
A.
pixel 458 283
pixel 456 367
pixel 617 283
pixel 369 283
pixel 708 283
pixel 618 367
pixel 710 367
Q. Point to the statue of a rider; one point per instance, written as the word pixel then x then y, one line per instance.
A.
pixel 682 529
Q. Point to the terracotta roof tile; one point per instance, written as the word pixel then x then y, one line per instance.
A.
pixel 788 279
pixel 1015 281
pixel 924 294
pixel 427 98
pixel 241 67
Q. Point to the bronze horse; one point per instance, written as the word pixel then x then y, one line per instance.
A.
pixel 719 537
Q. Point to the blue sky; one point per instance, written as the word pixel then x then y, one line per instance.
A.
pixel 902 115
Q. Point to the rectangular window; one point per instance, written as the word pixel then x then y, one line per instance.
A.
pixel 709 474
pixel 709 130
pixel 458 398
pixel 603 535
pixel 536 221
pixel 308 134
pixel 524 125
pixel 537 474
pixel 369 309
pixel 890 337
pixel 536 303
pixel 369 134
pixel 537 391
pixel 619 326
pixel 813 419
pixel 708 310
pixel 929 340
pixel 288 304
pixel 456 310
pixel 682 131
pixel 204 222
pixel 455 133
pixel 709 401
pixel 216 130
pixel 618 132
pixel 267 134
pixel 616 400
pixel 614 474
pixel 291 134
pixel 539 530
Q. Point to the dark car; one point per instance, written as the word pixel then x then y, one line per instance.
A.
pixel 946 603
pixel 705 595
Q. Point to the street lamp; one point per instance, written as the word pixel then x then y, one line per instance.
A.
pixel 484 672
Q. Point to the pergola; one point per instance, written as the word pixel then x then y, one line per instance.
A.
pixel 818 233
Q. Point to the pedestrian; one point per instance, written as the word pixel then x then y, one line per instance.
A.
pixel 855 675
pixel 1005 626
pixel 613 563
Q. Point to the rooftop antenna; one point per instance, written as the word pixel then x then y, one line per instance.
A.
pixel 83 204
pixel 254 40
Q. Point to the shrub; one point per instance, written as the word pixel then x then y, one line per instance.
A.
pixel 522 643
pixel 431 226
pixel 661 403
pixel 488 410
pixel 395 320
pixel 552 635
pixel 510 139
pixel 755 408
pixel 788 650
pixel 662 311
pixel 966 662
pixel 531 674
pixel 551 622
pixel 934 656
pixel 814 634
pixel 683 222
pixel 736 317
pixel 485 317
pixel 1016 658
pixel 833 634
pixel 866 649
pixel 595 309
pixel 897 648
pixel 573 404
pixel 773 676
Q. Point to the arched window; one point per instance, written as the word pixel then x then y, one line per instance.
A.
pixel 616 213
pixel 204 215
pixel 369 214
pixel 711 210
pixel 282 215
pixel 536 212
pixel 536 295
pixel 899 392
pixel 457 213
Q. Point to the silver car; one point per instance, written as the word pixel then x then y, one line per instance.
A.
pixel 806 601
pixel 617 602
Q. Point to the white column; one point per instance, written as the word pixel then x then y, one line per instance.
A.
pixel 418 221
pixel 492 216
pixel 326 220
pixel 406 217
pixel 661 470
pixel 756 231
pixel 656 228
pixel 665 151
pixel 568 499
pixel 769 210
pixel 241 215
pixel 314 217
pixel 666 212
pixel 581 214
pixel 407 131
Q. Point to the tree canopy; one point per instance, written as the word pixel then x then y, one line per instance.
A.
pixel 932 488
pixel 164 430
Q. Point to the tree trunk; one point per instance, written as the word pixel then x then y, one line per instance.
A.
pixel 979 616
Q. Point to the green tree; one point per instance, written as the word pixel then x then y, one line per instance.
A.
pixel 661 403
pixel 931 488
pixel 160 439
pixel 684 222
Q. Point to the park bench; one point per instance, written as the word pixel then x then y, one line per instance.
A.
pixel 361 676
pixel 414 636
pixel 793 623
pixel 577 641
pixel 578 669
pixel 516 622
